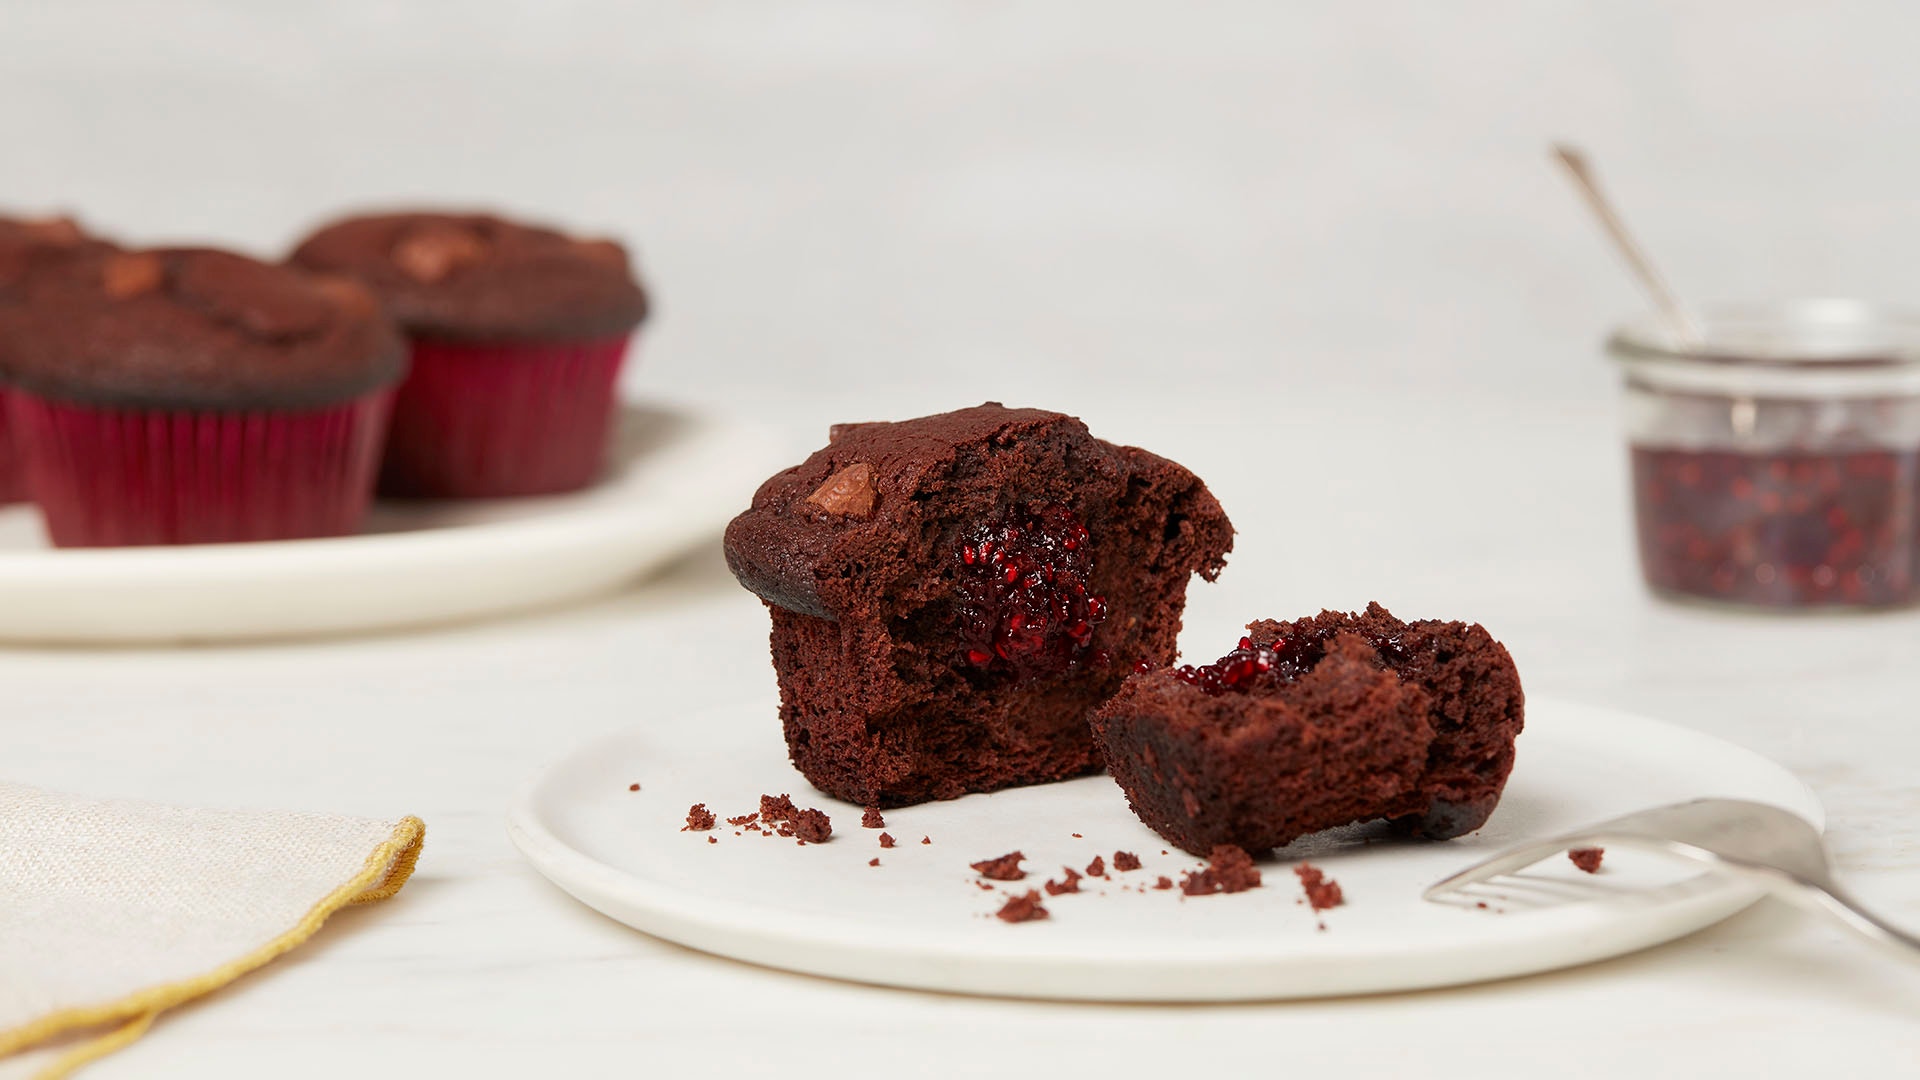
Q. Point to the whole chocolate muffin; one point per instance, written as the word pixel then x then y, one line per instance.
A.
pixel 1317 723
pixel 951 596
pixel 190 395
pixel 518 336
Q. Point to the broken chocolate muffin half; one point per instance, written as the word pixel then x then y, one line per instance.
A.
pixel 952 596
pixel 1317 723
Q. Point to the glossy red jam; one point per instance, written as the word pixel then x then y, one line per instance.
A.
pixel 1023 582
pixel 1783 529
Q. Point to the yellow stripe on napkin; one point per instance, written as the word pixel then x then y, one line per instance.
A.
pixel 43 834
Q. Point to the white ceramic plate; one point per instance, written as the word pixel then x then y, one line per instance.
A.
pixel 919 919
pixel 675 480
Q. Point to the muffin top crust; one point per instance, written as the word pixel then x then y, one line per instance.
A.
pixel 478 277
pixel 194 328
pixel 28 245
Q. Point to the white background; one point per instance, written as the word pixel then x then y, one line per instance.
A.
pixel 1315 252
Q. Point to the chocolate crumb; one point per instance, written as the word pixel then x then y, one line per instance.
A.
pixel 713 839
pixel 1071 883
pixel 926 839
pixel 1004 868
pixel 814 826
pixel 699 818
pixel 1097 868
pixel 633 787
pixel 1022 908
pixel 872 819
pixel 1229 870
pixel 983 886
pixel 1482 905
pixel 1125 860
pixel 886 840
pixel 777 809
pixel 1322 891
pixel 743 819
pixel 875 861
pixel 1163 882
pixel 1587 858
pixel 1076 836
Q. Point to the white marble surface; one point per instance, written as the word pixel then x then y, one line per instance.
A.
pixel 1313 252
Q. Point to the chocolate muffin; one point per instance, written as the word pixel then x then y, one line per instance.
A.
pixel 26 246
pixel 195 396
pixel 953 595
pixel 518 336
pixel 1317 723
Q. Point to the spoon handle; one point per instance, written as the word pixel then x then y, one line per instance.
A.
pixel 1679 321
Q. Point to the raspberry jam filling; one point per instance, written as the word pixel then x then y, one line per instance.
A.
pixel 1253 662
pixel 1024 603
pixel 1786 529
pixel 1254 665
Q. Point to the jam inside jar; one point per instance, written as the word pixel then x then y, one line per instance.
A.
pixel 1777 465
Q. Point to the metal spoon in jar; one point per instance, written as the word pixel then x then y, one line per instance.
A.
pixel 1679 321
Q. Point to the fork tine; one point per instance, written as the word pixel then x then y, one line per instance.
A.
pixel 1504 863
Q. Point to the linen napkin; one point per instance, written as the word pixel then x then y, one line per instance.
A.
pixel 112 911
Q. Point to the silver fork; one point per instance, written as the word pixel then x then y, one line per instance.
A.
pixel 1762 844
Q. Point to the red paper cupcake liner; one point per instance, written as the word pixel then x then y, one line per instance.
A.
pixel 13 476
pixel 475 421
pixel 108 477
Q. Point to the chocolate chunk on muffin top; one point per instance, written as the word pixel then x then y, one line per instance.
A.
pixel 476 277
pixel 194 328
pixel 28 244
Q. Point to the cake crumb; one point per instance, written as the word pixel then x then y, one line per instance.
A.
pixel 1163 882
pixel 1070 883
pixel 743 819
pixel 1125 860
pixel 983 886
pixel 875 861
pixel 886 840
pixel 1587 858
pixel 1322 891
pixel 1076 836
pixel 635 786
pixel 1097 868
pixel 872 819
pixel 813 826
pixel 1229 870
pixel 1004 868
pixel 777 809
pixel 1022 908
pixel 713 839
pixel 926 839
pixel 699 818
pixel 1482 905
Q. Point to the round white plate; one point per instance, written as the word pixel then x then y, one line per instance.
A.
pixel 920 919
pixel 675 480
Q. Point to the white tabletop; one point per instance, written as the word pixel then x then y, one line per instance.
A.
pixel 1317 258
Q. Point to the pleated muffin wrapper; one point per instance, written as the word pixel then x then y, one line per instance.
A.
pixel 108 476
pixel 13 473
pixel 477 420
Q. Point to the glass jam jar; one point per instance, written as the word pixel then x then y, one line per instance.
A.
pixel 1777 464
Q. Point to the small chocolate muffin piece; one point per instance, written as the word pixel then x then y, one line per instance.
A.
pixel 476 277
pixel 953 595
pixel 1318 723
pixel 1478 706
pixel 194 328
